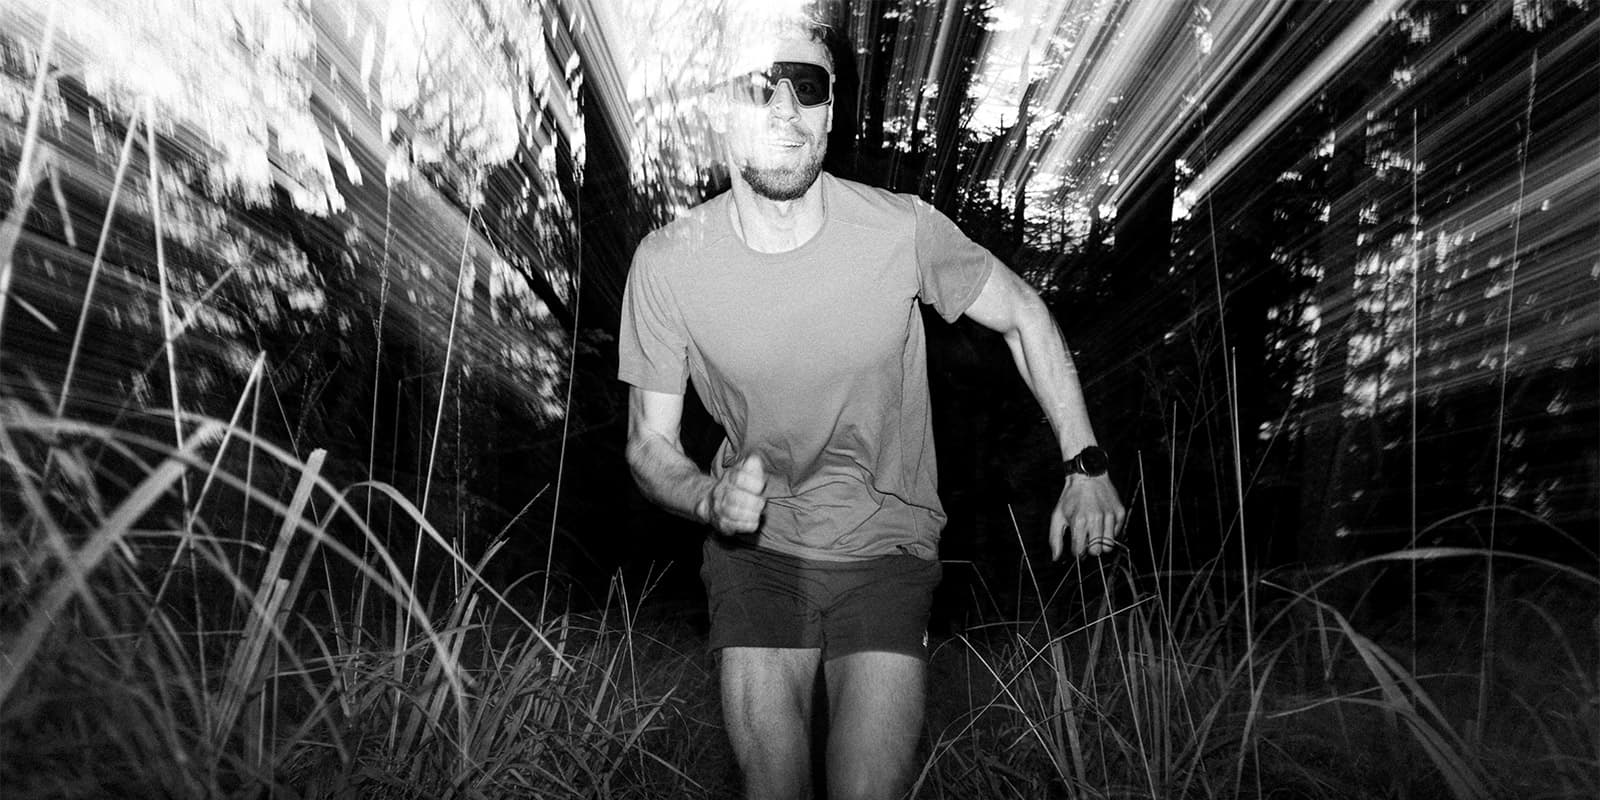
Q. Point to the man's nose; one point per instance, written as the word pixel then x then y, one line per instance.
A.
pixel 784 103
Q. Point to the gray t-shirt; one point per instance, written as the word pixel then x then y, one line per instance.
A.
pixel 814 358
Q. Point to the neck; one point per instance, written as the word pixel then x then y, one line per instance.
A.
pixel 776 226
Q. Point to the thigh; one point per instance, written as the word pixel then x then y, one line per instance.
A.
pixel 766 708
pixel 767 680
pixel 875 702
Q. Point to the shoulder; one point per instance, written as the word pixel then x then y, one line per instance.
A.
pixel 870 207
pixel 903 216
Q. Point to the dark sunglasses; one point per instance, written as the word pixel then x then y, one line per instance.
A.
pixel 812 84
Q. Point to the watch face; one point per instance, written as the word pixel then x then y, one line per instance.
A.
pixel 1093 461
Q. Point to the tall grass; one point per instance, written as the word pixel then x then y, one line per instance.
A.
pixel 271 683
pixel 1136 690
pixel 288 679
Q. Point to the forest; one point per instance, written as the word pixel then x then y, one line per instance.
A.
pixel 312 479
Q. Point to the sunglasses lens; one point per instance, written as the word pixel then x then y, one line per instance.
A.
pixel 757 89
pixel 809 82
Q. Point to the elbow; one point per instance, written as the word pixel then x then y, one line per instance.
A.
pixel 636 456
pixel 1031 316
pixel 1030 302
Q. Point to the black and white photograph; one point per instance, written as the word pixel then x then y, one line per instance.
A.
pixel 800 399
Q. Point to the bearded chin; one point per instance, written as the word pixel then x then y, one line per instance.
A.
pixel 782 183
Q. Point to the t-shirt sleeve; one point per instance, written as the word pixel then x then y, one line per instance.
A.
pixel 651 341
pixel 951 268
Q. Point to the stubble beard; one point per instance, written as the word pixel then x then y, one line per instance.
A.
pixel 783 183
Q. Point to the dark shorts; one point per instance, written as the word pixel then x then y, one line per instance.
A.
pixel 763 598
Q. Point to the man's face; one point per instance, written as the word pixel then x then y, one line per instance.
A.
pixel 778 148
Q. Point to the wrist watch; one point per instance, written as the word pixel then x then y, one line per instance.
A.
pixel 1091 461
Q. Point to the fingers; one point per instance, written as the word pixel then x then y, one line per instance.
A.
pixel 736 500
pixel 751 474
pixel 1058 530
pixel 1094 514
pixel 1097 534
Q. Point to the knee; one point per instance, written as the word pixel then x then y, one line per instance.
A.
pixel 879 768
pixel 866 782
pixel 760 785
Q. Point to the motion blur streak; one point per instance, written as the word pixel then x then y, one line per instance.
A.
pixel 1418 158
pixel 388 119
pixel 1296 95
pixel 1401 189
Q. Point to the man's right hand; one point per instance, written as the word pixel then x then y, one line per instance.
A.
pixel 734 504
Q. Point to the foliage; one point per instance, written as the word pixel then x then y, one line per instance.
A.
pixel 198 658
pixel 1154 685
pixel 193 658
pixel 414 79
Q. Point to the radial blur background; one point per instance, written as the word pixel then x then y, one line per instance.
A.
pixel 1331 270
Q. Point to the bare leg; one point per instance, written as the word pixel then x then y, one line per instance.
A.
pixel 766 706
pixel 876 703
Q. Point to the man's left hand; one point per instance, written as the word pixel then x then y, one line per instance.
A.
pixel 1092 510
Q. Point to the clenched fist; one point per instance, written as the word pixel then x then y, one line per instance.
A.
pixel 734 504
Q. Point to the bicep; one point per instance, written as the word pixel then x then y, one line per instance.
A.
pixel 1005 302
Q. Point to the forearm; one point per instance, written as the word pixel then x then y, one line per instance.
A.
pixel 669 478
pixel 1042 358
pixel 1089 508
